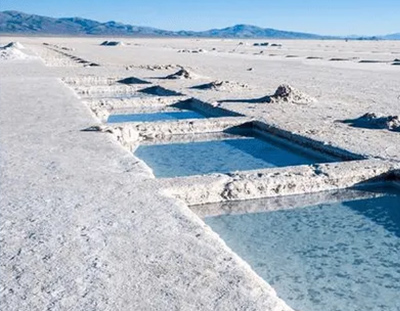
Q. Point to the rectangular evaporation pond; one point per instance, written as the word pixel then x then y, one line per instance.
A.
pixel 223 155
pixel 341 254
pixel 172 114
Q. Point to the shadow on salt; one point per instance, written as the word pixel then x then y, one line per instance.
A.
pixel 182 110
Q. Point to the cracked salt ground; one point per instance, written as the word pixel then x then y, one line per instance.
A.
pixel 330 256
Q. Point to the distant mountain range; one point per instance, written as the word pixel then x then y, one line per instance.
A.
pixel 394 36
pixel 249 31
pixel 14 22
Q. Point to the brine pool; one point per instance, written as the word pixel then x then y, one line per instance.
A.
pixel 224 155
pixel 153 117
pixel 342 254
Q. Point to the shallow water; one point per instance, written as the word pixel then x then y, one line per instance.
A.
pixel 221 156
pixel 330 256
pixel 157 116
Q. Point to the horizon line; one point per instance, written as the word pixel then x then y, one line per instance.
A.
pixel 348 36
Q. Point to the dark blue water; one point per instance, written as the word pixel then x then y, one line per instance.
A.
pixel 331 257
pixel 153 117
pixel 221 156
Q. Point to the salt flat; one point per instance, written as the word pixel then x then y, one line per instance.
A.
pixel 344 89
pixel 84 224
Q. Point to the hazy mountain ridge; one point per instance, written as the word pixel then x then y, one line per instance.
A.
pixel 249 31
pixel 394 36
pixel 14 22
pixel 21 23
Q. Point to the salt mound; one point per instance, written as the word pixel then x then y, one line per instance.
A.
pixel 91 65
pixel 287 93
pixel 371 120
pixel 154 67
pixel 393 123
pixel 374 121
pixel 192 51
pixel 16 45
pixel 112 43
pixel 133 80
pixel 159 91
pixel 182 74
pixel 12 54
pixel 67 48
pixel 261 44
pixel 221 86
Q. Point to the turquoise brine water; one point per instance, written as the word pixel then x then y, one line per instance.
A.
pixel 222 156
pixel 332 257
pixel 153 117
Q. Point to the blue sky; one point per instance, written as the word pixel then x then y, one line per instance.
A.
pixel 335 17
